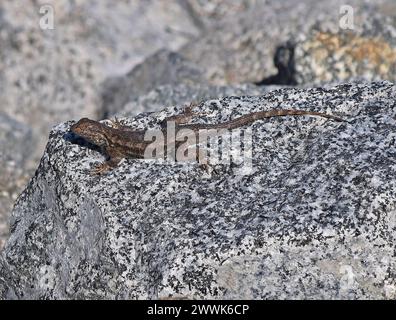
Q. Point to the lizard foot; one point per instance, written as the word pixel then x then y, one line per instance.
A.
pixel 106 166
pixel 185 116
pixel 116 124
pixel 100 169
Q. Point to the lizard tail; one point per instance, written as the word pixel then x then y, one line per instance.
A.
pixel 252 117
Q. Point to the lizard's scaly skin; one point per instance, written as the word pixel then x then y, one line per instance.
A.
pixel 251 117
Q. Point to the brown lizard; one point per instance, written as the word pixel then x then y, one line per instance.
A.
pixel 126 142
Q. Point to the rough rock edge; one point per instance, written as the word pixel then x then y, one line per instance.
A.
pixel 259 255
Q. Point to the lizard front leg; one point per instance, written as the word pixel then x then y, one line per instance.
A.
pixel 114 158
pixel 105 167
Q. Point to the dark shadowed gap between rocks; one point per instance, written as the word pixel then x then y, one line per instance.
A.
pixel 284 62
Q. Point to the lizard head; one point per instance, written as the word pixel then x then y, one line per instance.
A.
pixel 92 131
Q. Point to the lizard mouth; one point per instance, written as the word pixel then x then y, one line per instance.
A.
pixel 90 136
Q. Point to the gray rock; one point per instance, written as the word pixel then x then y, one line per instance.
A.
pixel 326 54
pixel 208 13
pixel 313 219
pixel 16 146
pixel 50 76
pixel 162 68
pixel 182 94
pixel 242 48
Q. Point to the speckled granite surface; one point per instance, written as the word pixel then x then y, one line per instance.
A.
pixel 315 219
pixel 176 95
pixel 50 76
pixel 103 55
pixel 242 48
pixel 326 54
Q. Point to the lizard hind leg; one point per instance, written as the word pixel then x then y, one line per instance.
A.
pixel 117 124
pixel 185 116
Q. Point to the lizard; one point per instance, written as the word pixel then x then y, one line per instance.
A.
pixel 121 141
